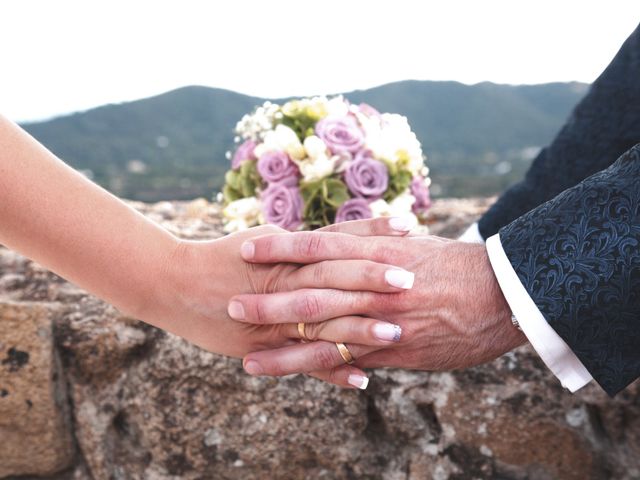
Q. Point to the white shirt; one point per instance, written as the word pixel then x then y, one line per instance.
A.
pixel 553 350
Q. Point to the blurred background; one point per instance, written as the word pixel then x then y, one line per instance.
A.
pixel 143 96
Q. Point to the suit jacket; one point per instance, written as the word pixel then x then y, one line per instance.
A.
pixel 577 250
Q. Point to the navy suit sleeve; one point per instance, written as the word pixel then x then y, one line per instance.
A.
pixel 604 125
pixel 578 256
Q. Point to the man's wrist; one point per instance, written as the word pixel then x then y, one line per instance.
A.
pixel 489 313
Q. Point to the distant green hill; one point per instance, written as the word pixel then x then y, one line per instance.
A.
pixel 478 138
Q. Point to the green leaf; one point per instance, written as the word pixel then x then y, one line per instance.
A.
pixel 309 190
pixel 232 179
pixel 334 192
pixel 230 195
pixel 249 178
pixel 321 199
pixel 398 183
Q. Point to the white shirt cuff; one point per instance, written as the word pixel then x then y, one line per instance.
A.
pixel 553 350
pixel 472 235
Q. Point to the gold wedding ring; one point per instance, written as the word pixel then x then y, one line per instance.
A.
pixel 301 332
pixel 345 353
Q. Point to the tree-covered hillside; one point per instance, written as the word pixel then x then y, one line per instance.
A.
pixel 477 138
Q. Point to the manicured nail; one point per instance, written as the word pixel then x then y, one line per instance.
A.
pixel 387 332
pixel 403 224
pixel 358 381
pixel 247 250
pixel 399 278
pixel 253 368
pixel 235 310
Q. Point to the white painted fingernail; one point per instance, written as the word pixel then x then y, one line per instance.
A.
pixel 403 224
pixel 387 332
pixel 399 278
pixel 358 381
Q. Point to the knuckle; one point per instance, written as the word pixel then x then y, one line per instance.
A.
pixel 332 376
pixel 308 307
pixel 378 226
pixel 371 273
pixel 310 245
pixel 313 330
pixel 355 328
pixel 358 303
pixel 260 313
pixel 323 358
pixel 320 274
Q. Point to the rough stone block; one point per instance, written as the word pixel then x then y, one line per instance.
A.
pixel 35 436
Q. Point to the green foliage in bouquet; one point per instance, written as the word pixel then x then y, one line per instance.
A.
pixel 241 183
pixel 322 199
pixel 399 179
pixel 301 119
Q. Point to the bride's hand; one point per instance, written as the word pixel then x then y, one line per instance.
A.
pixel 193 292
pixel 455 315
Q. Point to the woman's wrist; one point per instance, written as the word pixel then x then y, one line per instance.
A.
pixel 158 294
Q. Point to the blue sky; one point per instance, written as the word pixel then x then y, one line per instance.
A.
pixel 72 55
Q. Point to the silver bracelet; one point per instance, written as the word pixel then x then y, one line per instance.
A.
pixel 515 322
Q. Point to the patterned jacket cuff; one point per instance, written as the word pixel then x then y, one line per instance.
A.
pixel 553 350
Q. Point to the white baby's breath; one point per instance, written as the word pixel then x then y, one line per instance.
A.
pixel 255 126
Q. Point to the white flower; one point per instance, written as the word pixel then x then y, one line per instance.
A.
pixel 380 208
pixel 242 214
pixel 390 138
pixel 281 139
pixel 314 146
pixel 337 107
pixel 317 164
pixel 399 206
pixel 317 168
pixel 256 125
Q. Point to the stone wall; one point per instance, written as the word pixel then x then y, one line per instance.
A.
pixel 87 393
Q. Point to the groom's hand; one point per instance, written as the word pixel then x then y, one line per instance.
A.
pixel 455 315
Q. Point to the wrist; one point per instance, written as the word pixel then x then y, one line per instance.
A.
pixel 512 335
pixel 164 286
pixel 492 312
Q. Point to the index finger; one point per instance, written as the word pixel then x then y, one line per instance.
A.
pixel 311 247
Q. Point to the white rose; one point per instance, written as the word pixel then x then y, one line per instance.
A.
pixel 317 168
pixel 393 140
pixel 337 107
pixel 314 146
pixel 241 214
pixel 281 139
pixel 380 208
pixel 399 206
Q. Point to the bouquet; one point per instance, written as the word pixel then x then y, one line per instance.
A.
pixel 312 162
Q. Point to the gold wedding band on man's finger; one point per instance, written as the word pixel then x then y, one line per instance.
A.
pixel 342 348
pixel 301 332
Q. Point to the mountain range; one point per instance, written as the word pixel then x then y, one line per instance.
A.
pixel 478 138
